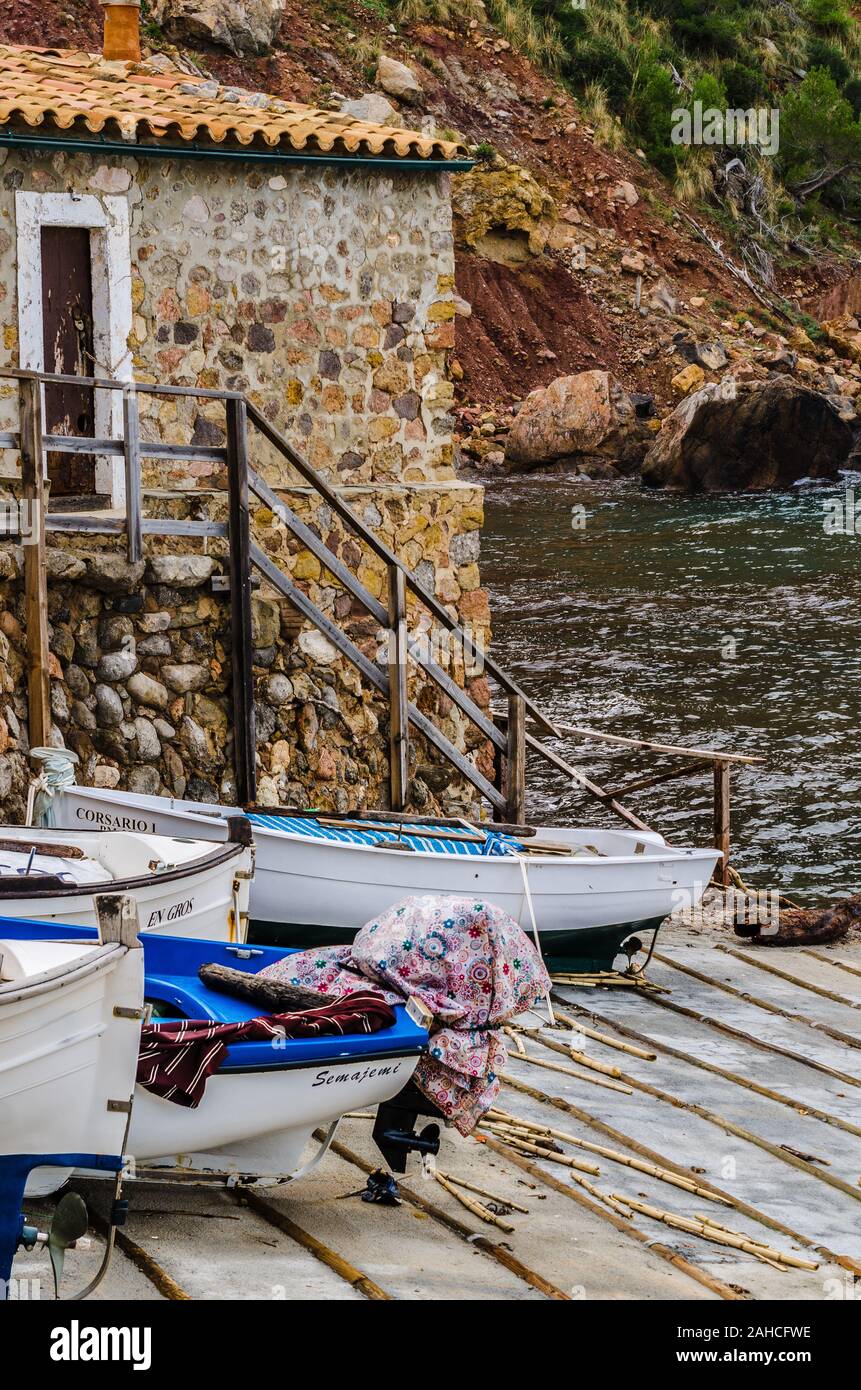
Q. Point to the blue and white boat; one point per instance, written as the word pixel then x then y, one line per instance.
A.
pixel 261 1107
pixel 70 1019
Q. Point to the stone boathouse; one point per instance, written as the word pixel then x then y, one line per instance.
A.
pixel 158 228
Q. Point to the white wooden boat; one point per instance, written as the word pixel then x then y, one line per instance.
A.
pixel 187 887
pixel 318 880
pixel 70 1019
pixel 262 1105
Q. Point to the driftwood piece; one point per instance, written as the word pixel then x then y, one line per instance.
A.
pixel 807 926
pixel 273 996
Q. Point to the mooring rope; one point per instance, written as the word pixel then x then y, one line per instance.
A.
pixel 528 892
pixel 56 773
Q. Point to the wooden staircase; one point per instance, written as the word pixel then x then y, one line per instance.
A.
pixel 244 422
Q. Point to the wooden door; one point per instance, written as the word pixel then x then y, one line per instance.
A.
pixel 67 319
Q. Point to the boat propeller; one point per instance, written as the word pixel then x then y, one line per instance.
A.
pixel 394 1131
pixel 68 1226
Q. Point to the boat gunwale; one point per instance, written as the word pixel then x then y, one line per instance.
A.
pixel 668 852
pixel 192 868
pixel 206 813
pixel 90 962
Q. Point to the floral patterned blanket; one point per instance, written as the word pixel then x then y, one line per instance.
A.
pixel 468 961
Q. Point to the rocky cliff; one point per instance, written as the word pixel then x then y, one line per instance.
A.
pixel 575 253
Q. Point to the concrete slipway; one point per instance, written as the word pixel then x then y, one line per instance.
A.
pixel 753 1091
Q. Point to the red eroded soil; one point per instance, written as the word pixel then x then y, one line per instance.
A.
pixel 515 315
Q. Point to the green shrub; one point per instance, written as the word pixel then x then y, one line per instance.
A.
pixel 818 129
pixel 745 86
pixel 852 93
pixel 653 100
pixel 824 55
pixel 596 60
pixel 829 16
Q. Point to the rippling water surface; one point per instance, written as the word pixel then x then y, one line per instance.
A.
pixel 732 622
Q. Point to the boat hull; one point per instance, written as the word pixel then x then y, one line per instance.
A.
pixel 248 1124
pixel 261 1107
pixel 587 948
pixel 205 897
pixel 65 1053
pixel 585 904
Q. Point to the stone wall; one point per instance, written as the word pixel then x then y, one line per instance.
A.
pixel 326 297
pixel 140 669
pixel 324 294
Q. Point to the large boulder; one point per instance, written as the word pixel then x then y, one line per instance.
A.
pixel 583 419
pixel 240 26
pixel 397 79
pixel 748 436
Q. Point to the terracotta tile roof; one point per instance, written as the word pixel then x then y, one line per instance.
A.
pixel 154 100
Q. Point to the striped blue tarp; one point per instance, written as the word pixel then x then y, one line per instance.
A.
pixel 418 836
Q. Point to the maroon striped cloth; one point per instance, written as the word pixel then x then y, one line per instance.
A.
pixel 176 1059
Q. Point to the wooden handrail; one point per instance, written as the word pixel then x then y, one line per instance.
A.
pixel 708 755
pixel 355 587
pixel 382 551
pixel 98 383
pixel 35 566
pixel 300 600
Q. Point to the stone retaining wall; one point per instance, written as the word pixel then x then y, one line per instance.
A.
pixel 140 664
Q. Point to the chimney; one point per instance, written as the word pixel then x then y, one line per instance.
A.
pixel 122 41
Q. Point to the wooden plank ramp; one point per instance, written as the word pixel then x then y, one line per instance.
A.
pixel 703 1143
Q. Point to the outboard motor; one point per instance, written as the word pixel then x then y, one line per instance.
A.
pixel 394 1128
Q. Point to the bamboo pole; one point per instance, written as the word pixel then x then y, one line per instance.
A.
pixel 482 1192
pixel 475 1207
pixel 663 1252
pixel 601 1196
pixel 721 1122
pixel 578 1075
pixel 745 1208
pixel 498 1252
pixel 791 979
pixel 616 1156
pixel 512 1033
pixel 719 1234
pixel 578 1026
pixel 552 1155
pixel 356 1278
pixel 592 979
pixel 591 1062
pixel 830 960
pixel 755 999
pixel 750 1040
pixel 779 1097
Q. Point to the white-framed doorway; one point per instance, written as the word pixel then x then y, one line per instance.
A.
pixel 107 220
